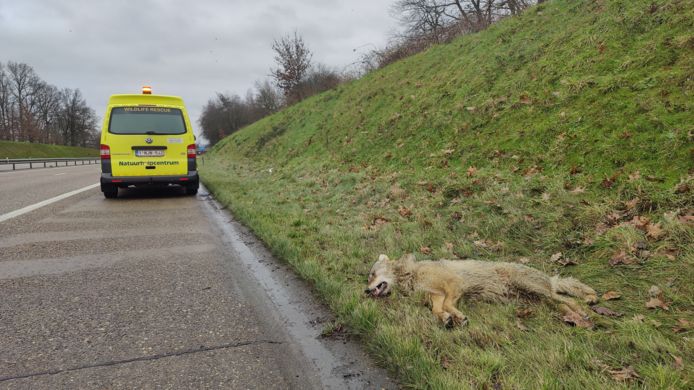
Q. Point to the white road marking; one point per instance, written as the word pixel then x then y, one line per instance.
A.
pixel 58 174
pixel 17 213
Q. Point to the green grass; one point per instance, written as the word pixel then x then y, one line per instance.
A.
pixel 567 114
pixel 29 150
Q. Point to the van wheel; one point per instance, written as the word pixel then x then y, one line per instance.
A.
pixel 110 192
pixel 191 190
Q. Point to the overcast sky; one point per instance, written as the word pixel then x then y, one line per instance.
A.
pixel 190 48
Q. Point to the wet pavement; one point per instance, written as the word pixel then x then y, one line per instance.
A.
pixel 158 290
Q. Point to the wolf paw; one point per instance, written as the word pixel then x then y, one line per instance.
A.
pixel 449 323
pixel 460 320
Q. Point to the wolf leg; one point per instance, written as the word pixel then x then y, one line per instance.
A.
pixel 574 288
pixel 437 308
pixel 449 302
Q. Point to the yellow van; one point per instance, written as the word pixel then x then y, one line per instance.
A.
pixel 147 139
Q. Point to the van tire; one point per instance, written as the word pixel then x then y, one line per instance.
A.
pixel 192 190
pixel 110 192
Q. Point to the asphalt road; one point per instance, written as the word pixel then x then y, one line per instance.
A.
pixel 152 290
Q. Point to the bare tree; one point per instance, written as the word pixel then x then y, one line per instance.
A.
pixel 32 110
pixel 293 60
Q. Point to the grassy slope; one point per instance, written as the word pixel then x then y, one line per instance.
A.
pixel 545 107
pixel 28 150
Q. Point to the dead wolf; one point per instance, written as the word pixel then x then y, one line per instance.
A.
pixel 446 281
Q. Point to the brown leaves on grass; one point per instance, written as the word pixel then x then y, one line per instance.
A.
pixel 678 363
pixel 657 299
pixel 404 211
pixel 376 223
pixel 575 319
pixel 622 257
pixel 425 250
pixel 625 374
pixel 631 204
pixel 603 311
pixel 609 182
pixel 682 326
pixel 611 295
pixel 560 259
pixel 471 171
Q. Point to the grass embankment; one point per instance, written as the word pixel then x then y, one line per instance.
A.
pixel 29 150
pixel 568 129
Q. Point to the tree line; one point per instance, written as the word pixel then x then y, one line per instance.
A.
pixel 32 110
pixel 295 77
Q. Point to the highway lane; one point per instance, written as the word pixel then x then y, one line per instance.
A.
pixel 25 187
pixel 149 290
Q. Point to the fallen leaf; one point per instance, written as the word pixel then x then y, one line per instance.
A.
pixel 682 188
pixel 546 196
pixel 555 257
pixel 575 170
pixel 577 320
pixel 404 211
pixel 679 364
pixel 635 176
pixel 524 312
pixel 524 260
pixel 608 182
pixel 654 231
pixel 682 326
pixel 640 222
pixel 624 374
pixel 631 204
pixel 638 318
pixel 578 190
pixel 603 311
pixel 471 171
pixel 531 171
pixel 622 258
pixel 425 250
pixel 610 295
pixel 481 243
pixel 686 218
pixel 656 302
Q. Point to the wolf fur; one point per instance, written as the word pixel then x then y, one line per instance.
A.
pixel 446 281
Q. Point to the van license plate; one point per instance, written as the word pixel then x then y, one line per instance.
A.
pixel 149 153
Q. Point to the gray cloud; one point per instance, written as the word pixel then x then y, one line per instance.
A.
pixel 187 48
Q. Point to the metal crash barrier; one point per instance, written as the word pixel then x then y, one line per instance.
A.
pixel 31 163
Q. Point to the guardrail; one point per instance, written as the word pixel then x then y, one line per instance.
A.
pixel 47 162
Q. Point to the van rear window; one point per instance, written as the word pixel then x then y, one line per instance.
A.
pixel 146 120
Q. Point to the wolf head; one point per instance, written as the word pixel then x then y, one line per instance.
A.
pixel 381 277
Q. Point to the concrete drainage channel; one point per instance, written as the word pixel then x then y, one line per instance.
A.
pixel 296 315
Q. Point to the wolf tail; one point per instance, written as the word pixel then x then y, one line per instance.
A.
pixel 573 287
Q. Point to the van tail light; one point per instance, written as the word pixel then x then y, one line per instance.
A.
pixel 105 152
pixel 191 151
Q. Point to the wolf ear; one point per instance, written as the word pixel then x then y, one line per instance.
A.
pixel 383 258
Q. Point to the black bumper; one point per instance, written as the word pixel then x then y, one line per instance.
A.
pixel 191 180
